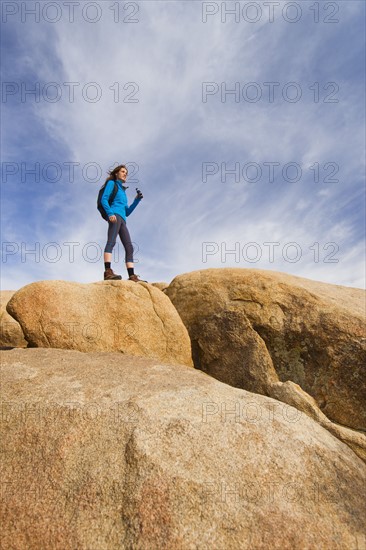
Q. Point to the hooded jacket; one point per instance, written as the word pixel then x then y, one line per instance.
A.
pixel 120 203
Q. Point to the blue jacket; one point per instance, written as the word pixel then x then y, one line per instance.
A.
pixel 120 204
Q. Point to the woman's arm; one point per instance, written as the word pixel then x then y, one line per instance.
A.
pixel 131 208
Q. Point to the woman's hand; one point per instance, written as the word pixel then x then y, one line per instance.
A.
pixel 112 218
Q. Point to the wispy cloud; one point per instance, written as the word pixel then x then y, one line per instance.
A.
pixel 170 132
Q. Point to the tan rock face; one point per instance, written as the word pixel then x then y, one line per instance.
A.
pixel 249 326
pixel 134 318
pixel 107 451
pixel 161 286
pixel 11 333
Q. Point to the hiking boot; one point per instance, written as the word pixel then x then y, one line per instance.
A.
pixel 109 275
pixel 136 278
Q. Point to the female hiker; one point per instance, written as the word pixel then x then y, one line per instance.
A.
pixel 117 212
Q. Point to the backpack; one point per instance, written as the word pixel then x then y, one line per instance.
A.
pixel 110 200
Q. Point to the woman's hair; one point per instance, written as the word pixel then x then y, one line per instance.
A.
pixel 113 173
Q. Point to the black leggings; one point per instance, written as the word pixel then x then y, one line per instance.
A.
pixel 119 228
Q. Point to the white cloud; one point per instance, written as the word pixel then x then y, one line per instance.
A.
pixel 170 132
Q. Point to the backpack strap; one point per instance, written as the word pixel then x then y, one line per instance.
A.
pixel 114 193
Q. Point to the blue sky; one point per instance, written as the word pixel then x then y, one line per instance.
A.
pixel 185 221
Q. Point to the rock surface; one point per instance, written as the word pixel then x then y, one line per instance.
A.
pixel 11 334
pixel 252 328
pixel 161 286
pixel 133 318
pixel 107 451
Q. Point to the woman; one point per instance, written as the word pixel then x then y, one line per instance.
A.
pixel 117 212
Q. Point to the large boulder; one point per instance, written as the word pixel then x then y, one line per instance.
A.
pixel 11 334
pixel 133 318
pixel 256 329
pixel 108 451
